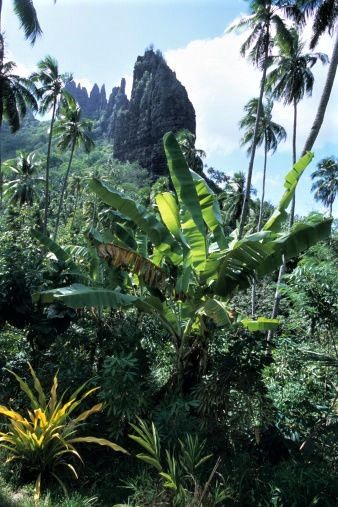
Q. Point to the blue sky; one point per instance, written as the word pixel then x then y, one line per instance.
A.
pixel 99 40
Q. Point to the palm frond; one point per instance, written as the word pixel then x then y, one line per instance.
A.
pixel 27 15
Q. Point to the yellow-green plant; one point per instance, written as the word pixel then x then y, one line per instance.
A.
pixel 44 441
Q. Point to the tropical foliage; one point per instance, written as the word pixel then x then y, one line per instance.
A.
pixel 199 317
pixel 24 189
pixel 45 440
pixel 325 186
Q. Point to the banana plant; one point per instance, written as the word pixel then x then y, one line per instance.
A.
pixel 177 255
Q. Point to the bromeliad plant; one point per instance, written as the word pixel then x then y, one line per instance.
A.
pixel 177 262
pixel 44 441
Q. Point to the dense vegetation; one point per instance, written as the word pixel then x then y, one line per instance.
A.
pixel 191 326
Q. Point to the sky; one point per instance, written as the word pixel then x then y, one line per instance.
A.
pixel 99 40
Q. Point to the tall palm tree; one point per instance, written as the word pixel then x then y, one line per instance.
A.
pixel 270 134
pixel 263 21
pixel 325 187
pixel 325 16
pixel 290 80
pixel 52 94
pixel 75 187
pixel 73 133
pixel 16 95
pixel 24 188
pixel 325 13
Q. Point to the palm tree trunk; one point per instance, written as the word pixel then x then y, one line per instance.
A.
pixel 260 219
pixel 278 295
pixel 47 167
pixel 330 208
pixel 2 53
pixel 1 173
pixel 263 189
pixel 64 185
pixel 254 141
pixel 323 100
pixel 75 206
pixel 294 160
pixel 318 121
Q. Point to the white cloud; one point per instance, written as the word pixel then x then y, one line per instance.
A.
pixel 20 69
pixel 219 83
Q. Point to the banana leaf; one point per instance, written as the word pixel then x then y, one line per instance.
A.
pixel 290 184
pixel 146 220
pixel 249 259
pixel 210 209
pixel 80 296
pixel 191 218
pixel 217 311
pixel 170 215
pixel 261 324
pixel 53 247
pixel 126 258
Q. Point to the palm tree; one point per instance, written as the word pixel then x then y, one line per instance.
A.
pixel 52 94
pixel 192 155
pixel 325 15
pixel 270 134
pixel 73 133
pixel 263 20
pixel 23 189
pixel 232 199
pixel 75 187
pixel 16 94
pixel 325 187
pixel 290 80
pixel 25 11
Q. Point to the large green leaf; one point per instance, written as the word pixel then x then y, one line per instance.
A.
pixel 290 184
pixel 302 236
pixel 261 324
pixel 146 220
pixel 53 247
pixel 216 310
pixel 210 209
pixel 237 267
pixel 182 179
pixel 125 258
pixel 80 296
pixel 191 218
pixel 250 258
pixel 170 214
pixel 60 253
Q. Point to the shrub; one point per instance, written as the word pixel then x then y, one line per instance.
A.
pixel 45 440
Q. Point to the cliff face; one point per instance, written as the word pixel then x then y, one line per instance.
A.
pixel 92 105
pixel 116 108
pixel 159 103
